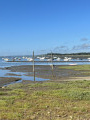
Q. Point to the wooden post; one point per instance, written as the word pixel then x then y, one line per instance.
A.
pixel 52 64
pixel 33 67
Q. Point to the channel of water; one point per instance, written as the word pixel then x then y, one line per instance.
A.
pixel 22 75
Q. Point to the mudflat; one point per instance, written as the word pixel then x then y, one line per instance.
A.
pixel 59 73
pixel 45 71
pixel 7 80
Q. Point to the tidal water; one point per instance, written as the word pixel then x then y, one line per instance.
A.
pixel 22 75
pixel 5 73
pixel 8 64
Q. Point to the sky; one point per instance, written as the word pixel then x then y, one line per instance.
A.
pixel 42 26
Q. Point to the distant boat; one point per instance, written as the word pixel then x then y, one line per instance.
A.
pixel 73 64
pixel 66 59
pixel 69 58
pixel 6 59
pixel 30 59
pixel 49 59
pixel 58 59
pixel 38 57
pixel 19 58
pixel 88 59
pixel 54 58
pixel 23 57
pixel 42 58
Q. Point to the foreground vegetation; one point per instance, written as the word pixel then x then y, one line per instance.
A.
pixel 66 100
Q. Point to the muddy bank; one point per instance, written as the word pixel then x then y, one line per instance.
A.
pixel 7 80
pixel 45 71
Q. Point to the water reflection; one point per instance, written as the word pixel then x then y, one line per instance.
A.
pixel 23 76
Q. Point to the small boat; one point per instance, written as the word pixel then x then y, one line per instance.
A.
pixel 6 59
pixel 30 59
pixel 49 59
pixel 58 59
pixel 73 64
pixel 88 59
pixel 42 58
pixel 66 59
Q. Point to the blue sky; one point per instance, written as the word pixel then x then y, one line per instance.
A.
pixel 61 26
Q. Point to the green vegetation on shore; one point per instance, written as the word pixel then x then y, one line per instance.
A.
pixel 66 100
pixel 77 67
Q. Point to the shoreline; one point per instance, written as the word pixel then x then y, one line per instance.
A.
pixel 4 81
pixel 44 72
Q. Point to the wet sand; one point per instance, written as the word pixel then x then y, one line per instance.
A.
pixel 44 71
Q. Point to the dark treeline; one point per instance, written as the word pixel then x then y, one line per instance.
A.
pixel 83 53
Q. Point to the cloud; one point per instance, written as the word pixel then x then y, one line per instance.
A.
pixel 76 48
pixel 84 39
pixel 81 47
pixel 61 49
pixel 85 46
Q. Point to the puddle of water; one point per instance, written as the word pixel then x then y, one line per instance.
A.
pixel 22 76
pixel 8 73
pixel 3 72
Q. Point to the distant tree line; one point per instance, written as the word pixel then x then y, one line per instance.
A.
pixel 82 53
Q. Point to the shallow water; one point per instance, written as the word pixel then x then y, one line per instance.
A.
pixel 22 75
pixel 7 73
pixel 8 64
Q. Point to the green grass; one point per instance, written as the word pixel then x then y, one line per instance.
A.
pixel 48 101
pixel 77 67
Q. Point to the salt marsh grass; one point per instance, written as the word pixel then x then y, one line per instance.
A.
pixel 66 100
pixel 77 67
